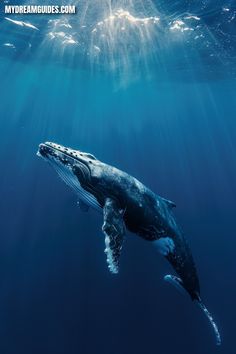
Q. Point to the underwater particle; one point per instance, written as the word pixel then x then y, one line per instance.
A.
pixel 9 45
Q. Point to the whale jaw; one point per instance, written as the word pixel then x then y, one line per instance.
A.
pixel 65 162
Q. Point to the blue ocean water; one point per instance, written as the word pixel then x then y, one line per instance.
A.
pixel 162 109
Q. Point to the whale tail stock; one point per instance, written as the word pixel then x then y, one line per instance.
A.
pixel 178 283
pixel 187 280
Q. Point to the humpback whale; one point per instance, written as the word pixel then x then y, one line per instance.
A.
pixel 126 203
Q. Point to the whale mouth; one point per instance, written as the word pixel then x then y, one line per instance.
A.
pixel 42 151
pixel 47 150
pixel 65 159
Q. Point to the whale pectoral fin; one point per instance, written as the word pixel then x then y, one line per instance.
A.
pixel 113 228
pixel 164 245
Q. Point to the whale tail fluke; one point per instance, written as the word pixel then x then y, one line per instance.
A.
pixel 210 319
pixel 178 283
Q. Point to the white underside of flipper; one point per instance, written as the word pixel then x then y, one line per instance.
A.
pixel 113 228
pixel 112 265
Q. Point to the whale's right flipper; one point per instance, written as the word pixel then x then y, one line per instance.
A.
pixel 114 229
pixel 178 283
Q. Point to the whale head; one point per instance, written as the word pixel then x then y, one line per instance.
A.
pixel 76 168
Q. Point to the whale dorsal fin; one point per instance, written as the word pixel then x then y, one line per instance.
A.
pixel 113 228
pixel 169 203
